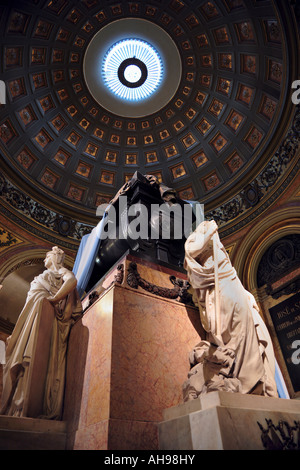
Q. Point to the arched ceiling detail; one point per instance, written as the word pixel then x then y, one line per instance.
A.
pixel 221 127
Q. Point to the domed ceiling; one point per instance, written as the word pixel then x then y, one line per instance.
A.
pixel 222 123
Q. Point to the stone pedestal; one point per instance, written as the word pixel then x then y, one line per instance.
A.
pixel 32 434
pixel 128 358
pixel 230 421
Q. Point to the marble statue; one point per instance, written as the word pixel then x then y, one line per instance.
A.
pixel 236 353
pixel 58 285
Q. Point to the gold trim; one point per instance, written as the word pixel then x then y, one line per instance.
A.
pixel 51 202
pixel 279 224
pixel 34 224
pixel 267 196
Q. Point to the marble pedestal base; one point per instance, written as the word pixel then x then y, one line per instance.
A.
pixel 227 421
pixel 32 434
pixel 127 360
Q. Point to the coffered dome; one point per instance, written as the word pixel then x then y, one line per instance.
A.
pixel 218 115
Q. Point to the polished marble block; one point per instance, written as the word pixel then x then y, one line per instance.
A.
pixel 127 361
pixel 229 421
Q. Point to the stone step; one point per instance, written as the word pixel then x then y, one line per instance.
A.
pixel 231 421
pixel 234 400
pixel 32 434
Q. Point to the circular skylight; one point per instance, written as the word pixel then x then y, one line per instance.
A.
pixel 132 73
pixel 132 69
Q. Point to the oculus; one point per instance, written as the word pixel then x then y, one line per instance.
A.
pixel 132 69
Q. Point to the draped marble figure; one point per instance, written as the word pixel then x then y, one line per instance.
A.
pixel 58 285
pixel 236 352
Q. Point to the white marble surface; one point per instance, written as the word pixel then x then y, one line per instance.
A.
pixel 223 421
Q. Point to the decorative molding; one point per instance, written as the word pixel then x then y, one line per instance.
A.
pixel 291 287
pixel 282 221
pixel 179 291
pixel 37 231
pixel 283 436
pixel 8 239
pixel 279 267
pixel 118 279
pixel 26 206
pixel 261 186
pixel 230 250
pixel 29 262
pixel 29 257
pixel 93 297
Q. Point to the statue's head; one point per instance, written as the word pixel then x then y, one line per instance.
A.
pixel 54 259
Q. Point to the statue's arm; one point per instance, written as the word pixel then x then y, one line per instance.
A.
pixel 70 282
pixel 200 238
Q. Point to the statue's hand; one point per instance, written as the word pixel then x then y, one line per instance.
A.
pixel 52 300
pixel 213 227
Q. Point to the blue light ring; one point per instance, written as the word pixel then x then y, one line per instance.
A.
pixel 127 49
pixel 132 28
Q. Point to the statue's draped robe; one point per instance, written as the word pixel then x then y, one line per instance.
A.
pixel 243 337
pixel 19 351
